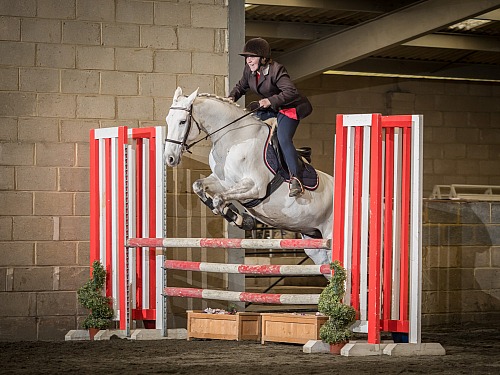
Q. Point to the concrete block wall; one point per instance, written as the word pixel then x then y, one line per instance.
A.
pixel 461 120
pixel 461 261
pixel 67 67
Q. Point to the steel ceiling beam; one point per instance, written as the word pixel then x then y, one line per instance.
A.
pixel 292 30
pixel 289 30
pixel 493 16
pixel 474 43
pixel 385 32
pixel 348 5
pixel 424 68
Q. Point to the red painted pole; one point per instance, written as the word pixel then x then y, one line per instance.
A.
pixel 122 141
pixel 356 218
pixel 375 228
pixel 152 217
pixel 94 198
pixel 139 197
pixel 405 222
pixel 339 190
pixel 388 222
pixel 109 206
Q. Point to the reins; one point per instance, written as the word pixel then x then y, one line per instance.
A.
pixel 185 146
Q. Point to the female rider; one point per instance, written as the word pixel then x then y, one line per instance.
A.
pixel 279 98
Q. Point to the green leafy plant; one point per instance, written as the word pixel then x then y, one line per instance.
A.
pixel 91 296
pixel 337 328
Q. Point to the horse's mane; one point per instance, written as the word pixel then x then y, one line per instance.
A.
pixel 228 102
pixel 219 98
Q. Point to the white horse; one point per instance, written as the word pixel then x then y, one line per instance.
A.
pixel 238 169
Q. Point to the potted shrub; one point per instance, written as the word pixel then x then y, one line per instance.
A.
pixel 336 331
pixel 91 296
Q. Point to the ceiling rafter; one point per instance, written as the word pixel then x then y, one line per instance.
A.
pixel 384 32
pixel 309 32
pixel 458 70
pixel 475 43
pixel 289 30
pixel 349 5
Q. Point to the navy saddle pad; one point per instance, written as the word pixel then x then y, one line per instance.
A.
pixel 310 178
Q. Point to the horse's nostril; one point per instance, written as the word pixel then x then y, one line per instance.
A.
pixel 170 160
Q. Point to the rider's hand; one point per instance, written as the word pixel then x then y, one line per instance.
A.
pixel 230 98
pixel 264 103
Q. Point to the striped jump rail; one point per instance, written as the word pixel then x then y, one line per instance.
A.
pixel 231 243
pixel 223 295
pixel 255 269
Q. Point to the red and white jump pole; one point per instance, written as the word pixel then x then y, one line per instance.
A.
pixel 378 218
pixel 255 269
pixel 264 298
pixel 128 160
pixel 231 243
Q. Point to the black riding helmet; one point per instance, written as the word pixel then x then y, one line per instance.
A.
pixel 257 47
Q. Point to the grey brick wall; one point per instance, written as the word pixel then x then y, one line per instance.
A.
pixel 461 269
pixel 67 67
pixel 461 119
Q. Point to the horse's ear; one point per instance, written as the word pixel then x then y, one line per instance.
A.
pixel 192 97
pixel 178 92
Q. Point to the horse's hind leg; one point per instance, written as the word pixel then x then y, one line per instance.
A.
pixel 319 256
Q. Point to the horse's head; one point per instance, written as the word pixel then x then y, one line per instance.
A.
pixel 181 127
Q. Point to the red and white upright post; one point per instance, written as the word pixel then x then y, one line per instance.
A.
pixel 377 220
pixel 124 159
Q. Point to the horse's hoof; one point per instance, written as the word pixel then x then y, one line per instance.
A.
pixel 198 188
pixel 248 222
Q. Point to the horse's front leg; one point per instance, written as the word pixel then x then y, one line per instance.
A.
pixel 205 188
pixel 243 190
pixel 209 187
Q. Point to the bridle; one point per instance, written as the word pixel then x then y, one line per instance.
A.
pixel 183 144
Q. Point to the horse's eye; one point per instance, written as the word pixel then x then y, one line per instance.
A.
pixel 182 122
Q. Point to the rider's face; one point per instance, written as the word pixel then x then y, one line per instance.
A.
pixel 253 62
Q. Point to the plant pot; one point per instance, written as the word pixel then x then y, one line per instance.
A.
pixel 292 328
pixel 336 348
pixel 93 332
pixel 239 326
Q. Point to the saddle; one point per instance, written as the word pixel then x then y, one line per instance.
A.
pixel 275 162
pixel 277 165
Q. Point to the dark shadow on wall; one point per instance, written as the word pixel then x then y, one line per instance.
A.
pixel 461 261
